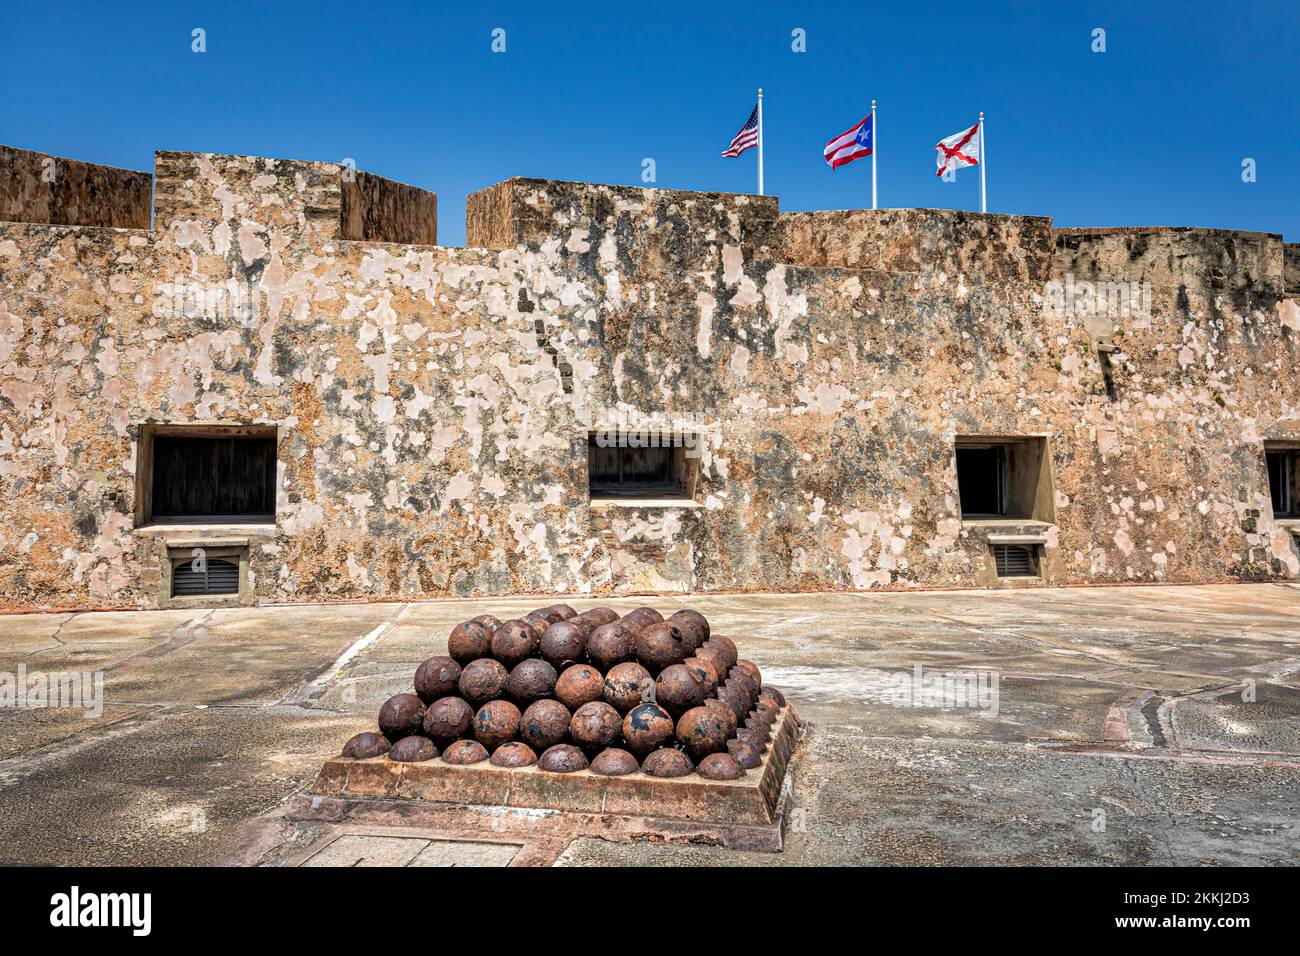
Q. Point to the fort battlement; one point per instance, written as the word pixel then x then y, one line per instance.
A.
pixel 285 370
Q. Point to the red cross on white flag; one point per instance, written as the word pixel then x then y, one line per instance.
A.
pixel 958 150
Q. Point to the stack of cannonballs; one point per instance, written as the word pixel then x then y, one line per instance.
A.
pixel 568 691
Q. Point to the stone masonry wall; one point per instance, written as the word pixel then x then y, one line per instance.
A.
pixel 433 404
pixel 37 187
pixel 380 210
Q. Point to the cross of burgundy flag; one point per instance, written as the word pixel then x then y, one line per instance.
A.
pixel 958 150
pixel 850 145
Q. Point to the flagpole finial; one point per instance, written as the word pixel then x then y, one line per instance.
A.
pixel 760 91
pixel 981 114
pixel 873 104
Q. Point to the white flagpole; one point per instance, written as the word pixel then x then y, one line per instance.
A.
pixel 983 162
pixel 760 141
pixel 873 154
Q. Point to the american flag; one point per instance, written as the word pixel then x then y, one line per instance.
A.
pixel 747 138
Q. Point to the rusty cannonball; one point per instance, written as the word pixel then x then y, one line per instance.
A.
pixel 562 643
pixel 752 669
pixel 767 710
pixel 483 680
pixel 625 686
pixel 537 621
pixel 727 714
pixel 746 754
pixel 702 731
pixel 667 762
pixel 490 621
pixel 550 614
pixel 647 727
pixel 610 644
pixel 544 724
pixel 514 641
pixel 659 646
pixel 496 722
pixel 735 699
pixel 366 745
pixel 614 763
pixel 726 647
pixel 756 738
pixel 464 752
pixel 469 641
pixel 715 659
pixel 563 758
pixel 692 633
pixel 436 677
pixel 584 624
pixel 513 753
pixel 563 610
pixel 600 615
pixel 704 672
pixel 400 716
pixel 695 617
pixel 447 720
pixel 531 680
pixel 412 749
pixel 578 685
pixel 595 726
pixel 678 689
pixel 720 767
pixel 770 693
pixel 739 677
pixel 641 617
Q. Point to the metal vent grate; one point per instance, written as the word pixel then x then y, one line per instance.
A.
pixel 1013 561
pixel 221 577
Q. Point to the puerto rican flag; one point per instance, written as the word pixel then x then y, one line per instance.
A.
pixel 850 145
pixel 958 150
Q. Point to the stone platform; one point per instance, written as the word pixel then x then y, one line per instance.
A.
pixel 742 814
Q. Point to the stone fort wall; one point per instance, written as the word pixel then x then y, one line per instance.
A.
pixel 432 405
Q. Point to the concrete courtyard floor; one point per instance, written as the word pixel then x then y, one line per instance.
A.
pixel 1144 725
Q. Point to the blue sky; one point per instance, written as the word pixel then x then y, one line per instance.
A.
pixel 1151 132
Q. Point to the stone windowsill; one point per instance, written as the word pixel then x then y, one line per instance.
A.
pixel 209 534
pixel 1289 524
pixel 603 504
pixel 1008 530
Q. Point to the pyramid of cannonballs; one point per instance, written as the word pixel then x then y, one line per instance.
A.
pixel 569 691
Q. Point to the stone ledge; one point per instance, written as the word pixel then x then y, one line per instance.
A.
pixel 751 801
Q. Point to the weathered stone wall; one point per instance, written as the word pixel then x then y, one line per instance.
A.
pixel 37 187
pixel 988 248
pixel 1291 265
pixel 433 404
pixel 375 209
pixel 1226 260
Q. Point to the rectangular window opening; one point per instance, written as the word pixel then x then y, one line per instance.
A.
pixel 206 474
pixel 1284 480
pixel 1004 478
pixel 641 465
